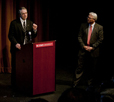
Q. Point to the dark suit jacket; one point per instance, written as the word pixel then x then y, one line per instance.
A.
pixel 95 41
pixel 16 33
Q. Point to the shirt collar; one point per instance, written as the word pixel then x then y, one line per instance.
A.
pixel 92 24
pixel 22 21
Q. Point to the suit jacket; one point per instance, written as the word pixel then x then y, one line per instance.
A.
pixel 95 40
pixel 17 34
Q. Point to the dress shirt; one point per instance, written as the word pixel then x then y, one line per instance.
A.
pixel 25 24
pixel 22 21
pixel 92 26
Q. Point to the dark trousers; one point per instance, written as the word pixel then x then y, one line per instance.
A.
pixel 86 72
pixel 13 72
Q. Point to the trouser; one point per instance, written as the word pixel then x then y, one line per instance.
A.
pixel 13 72
pixel 87 68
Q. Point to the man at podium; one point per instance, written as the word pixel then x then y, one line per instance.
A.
pixel 21 32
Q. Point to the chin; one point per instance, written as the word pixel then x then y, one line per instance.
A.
pixel 24 18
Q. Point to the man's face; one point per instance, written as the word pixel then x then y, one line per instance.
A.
pixel 24 14
pixel 90 19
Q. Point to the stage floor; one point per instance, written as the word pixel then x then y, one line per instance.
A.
pixel 64 78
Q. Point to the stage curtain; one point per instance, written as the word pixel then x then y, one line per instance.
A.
pixel 38 12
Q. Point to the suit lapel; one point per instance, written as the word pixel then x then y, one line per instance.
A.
pixel 27 25
pixel 20 25
pixel 94 30
pixel 87 26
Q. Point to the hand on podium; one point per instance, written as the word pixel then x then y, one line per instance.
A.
pixel 18 46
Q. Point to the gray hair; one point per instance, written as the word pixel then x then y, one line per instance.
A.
pixel 94 15
pixel 21 9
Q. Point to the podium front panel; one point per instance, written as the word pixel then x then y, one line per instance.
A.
pixel 43 67
pixel 24 69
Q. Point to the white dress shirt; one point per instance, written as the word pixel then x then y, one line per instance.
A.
pixel 92 26
pixel 22 21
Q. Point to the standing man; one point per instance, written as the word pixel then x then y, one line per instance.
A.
pixel 90 38
pixel 21 32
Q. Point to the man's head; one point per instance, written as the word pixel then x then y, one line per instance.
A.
pixel 23 13
pixel 92 17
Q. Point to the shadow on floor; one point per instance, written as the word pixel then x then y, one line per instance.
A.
pixel 64 80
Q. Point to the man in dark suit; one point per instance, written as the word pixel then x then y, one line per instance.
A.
pixel 21 32
pixel 90 38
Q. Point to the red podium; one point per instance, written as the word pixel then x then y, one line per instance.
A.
pixel 35 68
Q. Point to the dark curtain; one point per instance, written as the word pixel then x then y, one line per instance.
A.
pixel 38 12
pixel 60 21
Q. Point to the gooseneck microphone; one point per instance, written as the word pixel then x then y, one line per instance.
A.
pixel 30 36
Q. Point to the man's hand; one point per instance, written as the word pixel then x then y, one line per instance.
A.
pixel 34 27
pixel 88 48
pixel 18 46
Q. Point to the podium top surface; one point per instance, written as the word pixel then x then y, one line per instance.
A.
pixel 44 44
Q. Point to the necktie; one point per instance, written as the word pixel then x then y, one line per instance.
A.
pixel 24 27
pixel 89 35
pixel 25 39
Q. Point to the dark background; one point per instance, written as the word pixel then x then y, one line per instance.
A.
pixel 66 18
pixel 59 20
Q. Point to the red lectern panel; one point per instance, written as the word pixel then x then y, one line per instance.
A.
pixel 35 68
pixel 43 67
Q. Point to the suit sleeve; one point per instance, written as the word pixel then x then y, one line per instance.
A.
pixel 100 38
pixel 34 33
pixel 80 35
pixel 11 34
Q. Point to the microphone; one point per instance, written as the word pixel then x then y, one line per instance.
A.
pixel 30 36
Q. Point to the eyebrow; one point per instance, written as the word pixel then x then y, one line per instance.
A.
pixel 23 13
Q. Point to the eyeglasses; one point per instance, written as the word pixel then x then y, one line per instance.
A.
pixel 89 18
